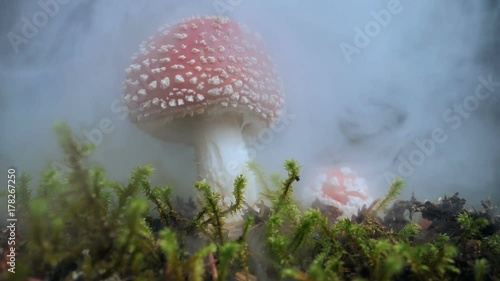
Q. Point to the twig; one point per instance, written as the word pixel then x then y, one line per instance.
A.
pixel 212 263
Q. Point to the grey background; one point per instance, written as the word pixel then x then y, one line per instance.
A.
pixel 364 113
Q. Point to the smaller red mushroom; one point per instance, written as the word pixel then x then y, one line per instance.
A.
pixel 341 188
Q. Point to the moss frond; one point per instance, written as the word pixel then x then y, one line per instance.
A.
pixel 394 191
pixel 82 225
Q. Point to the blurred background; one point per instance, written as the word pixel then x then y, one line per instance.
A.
pixel 357 95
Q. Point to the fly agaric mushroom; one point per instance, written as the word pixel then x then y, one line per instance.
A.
pixel 341 188
pixel 206 82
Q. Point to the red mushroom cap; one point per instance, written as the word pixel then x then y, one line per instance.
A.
pixel 342 188
pixel 201 66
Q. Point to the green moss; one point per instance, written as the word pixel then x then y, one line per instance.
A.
pixel 87 226
pixel 394 191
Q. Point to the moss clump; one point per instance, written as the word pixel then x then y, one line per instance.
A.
pixel 85 227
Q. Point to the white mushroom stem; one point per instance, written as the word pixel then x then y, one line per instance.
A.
pixel 222 155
